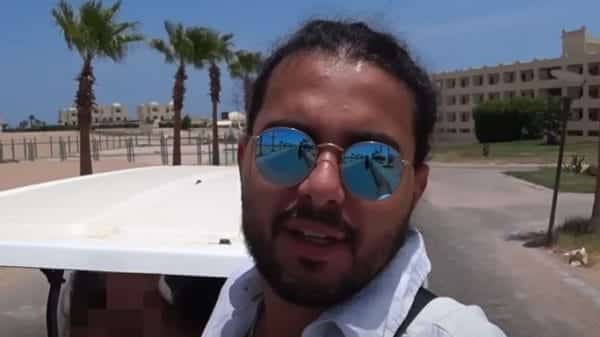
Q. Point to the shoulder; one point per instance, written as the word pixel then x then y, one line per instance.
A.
pixel 445 317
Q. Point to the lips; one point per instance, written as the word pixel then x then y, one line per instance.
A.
pixel 315 232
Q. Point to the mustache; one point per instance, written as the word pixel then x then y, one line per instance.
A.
pixel 329 215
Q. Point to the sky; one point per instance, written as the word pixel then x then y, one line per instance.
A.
pixel 37 71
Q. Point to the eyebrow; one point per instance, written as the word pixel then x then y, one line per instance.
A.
pixel 352 137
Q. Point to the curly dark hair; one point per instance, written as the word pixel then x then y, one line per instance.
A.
pixel 357 41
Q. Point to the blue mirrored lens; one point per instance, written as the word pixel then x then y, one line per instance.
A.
pixel 284 156
pixel 372 170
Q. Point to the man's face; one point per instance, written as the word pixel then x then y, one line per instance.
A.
pixel 341 101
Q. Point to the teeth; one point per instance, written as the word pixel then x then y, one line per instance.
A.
pixel 314 235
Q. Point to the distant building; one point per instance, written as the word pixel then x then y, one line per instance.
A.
pixel 461 91
pixel 113 114
pixel 232 119
pixel 154 111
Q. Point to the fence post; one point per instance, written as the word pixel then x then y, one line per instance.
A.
pixel 1 152
pixel 12 147
pixel 209 142
pixel 69 143
pixel 51 150
pixel 119 141
pixel 35 147
pixel 136 141
pixel 149 139
pixel 106 140
pixel 77 143
pixel 24 149
pixel 198 151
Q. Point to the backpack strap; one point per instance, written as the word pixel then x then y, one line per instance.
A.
pixel 422 298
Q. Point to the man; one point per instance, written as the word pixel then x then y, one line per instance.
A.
pixel 334 252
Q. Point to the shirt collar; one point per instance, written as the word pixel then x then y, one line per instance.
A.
pixel 379 307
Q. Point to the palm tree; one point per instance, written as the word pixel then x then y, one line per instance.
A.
pixel 180 49
pixel 245 66
pixel 93 32
pixel 212 49
pixel 31 120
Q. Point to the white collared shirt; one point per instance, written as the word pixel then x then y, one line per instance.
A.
pixel 375 311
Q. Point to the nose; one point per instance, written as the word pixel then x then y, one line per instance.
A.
pixel 324 184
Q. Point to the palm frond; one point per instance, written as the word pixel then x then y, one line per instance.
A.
pixel 164 48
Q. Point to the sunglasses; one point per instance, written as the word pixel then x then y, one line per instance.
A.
pixel 370 170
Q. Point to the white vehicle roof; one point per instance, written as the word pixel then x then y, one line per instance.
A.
pixel 159 220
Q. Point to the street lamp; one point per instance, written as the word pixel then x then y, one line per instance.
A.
pixel 572 78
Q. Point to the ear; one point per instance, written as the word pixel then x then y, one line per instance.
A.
pixel 421 177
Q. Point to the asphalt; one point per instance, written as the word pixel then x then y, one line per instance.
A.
pixel 465 216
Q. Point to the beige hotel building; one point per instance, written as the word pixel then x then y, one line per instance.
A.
pixel 101 115
pixel 460 91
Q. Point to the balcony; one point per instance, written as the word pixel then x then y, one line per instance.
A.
pixel 451 100
pixel 545 74
pixel 494 96
pixel 509 77
pixel 465 99
pixel 450 83
pixel 594 68
pixel 478 80
pixel 464 116
pixel 509 94
pixel 593 114
pixel 478 98
pixel 594 91
pixel 493 79
pixel 464 82
pixel 451 117
pixel 575 68
pixel 576 115
pixel 527 75
pixel 528 93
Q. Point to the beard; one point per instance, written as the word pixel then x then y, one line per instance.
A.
pixel 302 290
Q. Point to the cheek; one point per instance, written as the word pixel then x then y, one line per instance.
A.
pixel 263 201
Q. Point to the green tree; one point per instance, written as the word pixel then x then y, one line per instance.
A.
pixel 186 123
pixel 181 49
pixel 213 48
pixel 94 32
pixel 245 66
pixel 551 120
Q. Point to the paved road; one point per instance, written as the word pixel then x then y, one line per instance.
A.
pixel 464 217
pixel 528 292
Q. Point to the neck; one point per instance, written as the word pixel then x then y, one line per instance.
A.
pixel 281 318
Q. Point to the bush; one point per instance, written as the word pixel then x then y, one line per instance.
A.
pixel 509 120
pixel 577 225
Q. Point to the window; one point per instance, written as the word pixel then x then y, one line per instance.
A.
pixel 464 82
pixel 593 133
pixel 494 95
pixel 465 130
pixel 118 118
pixel 110 119
pixel 551 92
pixel 594 91
pixel 464 116
pixel 493 79
pixel 451 130
pixel 440 117
pixel 451 117
pixel 154 109
pixel 478 80
pixel 451 100
pixel 509 77
pixel 575 92
pixel 148 119
pixel 527 75
pixel 95 120
pixel 528 93
pixel 464 99
pixel 593 114
pixel 575 68
pixel 155 117
pixel 594 68
pixel 576 114
pixel 450 83
pixel 118 110
pixel 546 73
pixel 575 133
pixel 162 118
pixel 509 94
pixel 440 130
pixel 478 98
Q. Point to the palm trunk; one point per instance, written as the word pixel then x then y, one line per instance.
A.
pixel 178 95
pixel 595 221
pixel 85 102
pixel 215 89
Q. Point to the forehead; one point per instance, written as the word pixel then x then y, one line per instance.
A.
pixel 337 99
